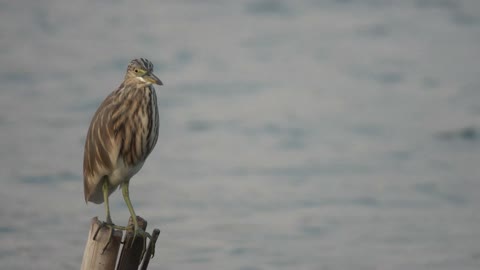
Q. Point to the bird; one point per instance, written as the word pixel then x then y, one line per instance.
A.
pixel 122 134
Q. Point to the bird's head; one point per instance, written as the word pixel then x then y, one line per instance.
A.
pixel 141 70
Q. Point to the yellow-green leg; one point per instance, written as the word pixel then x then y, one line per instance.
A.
pixel 136 228
pixel 126 197
pixel 105 198
pixel 109 222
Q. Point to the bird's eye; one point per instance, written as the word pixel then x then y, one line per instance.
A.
pixel 136 70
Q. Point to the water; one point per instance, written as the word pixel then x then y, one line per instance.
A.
pixel 306 135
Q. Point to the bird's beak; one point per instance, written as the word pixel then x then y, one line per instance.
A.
pixel 151 78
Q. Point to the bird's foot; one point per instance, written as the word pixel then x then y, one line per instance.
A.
pixel 139 231
pixel 112 228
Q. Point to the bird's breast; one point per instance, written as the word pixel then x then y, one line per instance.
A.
pixel 137 133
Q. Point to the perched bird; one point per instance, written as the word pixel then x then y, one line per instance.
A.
pixel 122 134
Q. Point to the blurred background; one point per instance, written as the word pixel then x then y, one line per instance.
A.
pixel 329 134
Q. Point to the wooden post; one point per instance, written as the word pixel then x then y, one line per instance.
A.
pixel 96 258
pixel 151 249
pixel 130 257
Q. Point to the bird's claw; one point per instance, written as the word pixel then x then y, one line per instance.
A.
pixel 137 231
pixel 144 235
pixel 112 228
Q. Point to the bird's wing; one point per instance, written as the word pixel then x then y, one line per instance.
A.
pixel 101 151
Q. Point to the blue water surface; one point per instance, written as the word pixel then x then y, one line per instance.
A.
pixel 333 134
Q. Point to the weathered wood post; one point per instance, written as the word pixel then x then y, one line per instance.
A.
pixel 100 256
pixel 130 256
pixel 151 249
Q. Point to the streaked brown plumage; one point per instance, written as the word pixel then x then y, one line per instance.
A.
pixel 122 134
